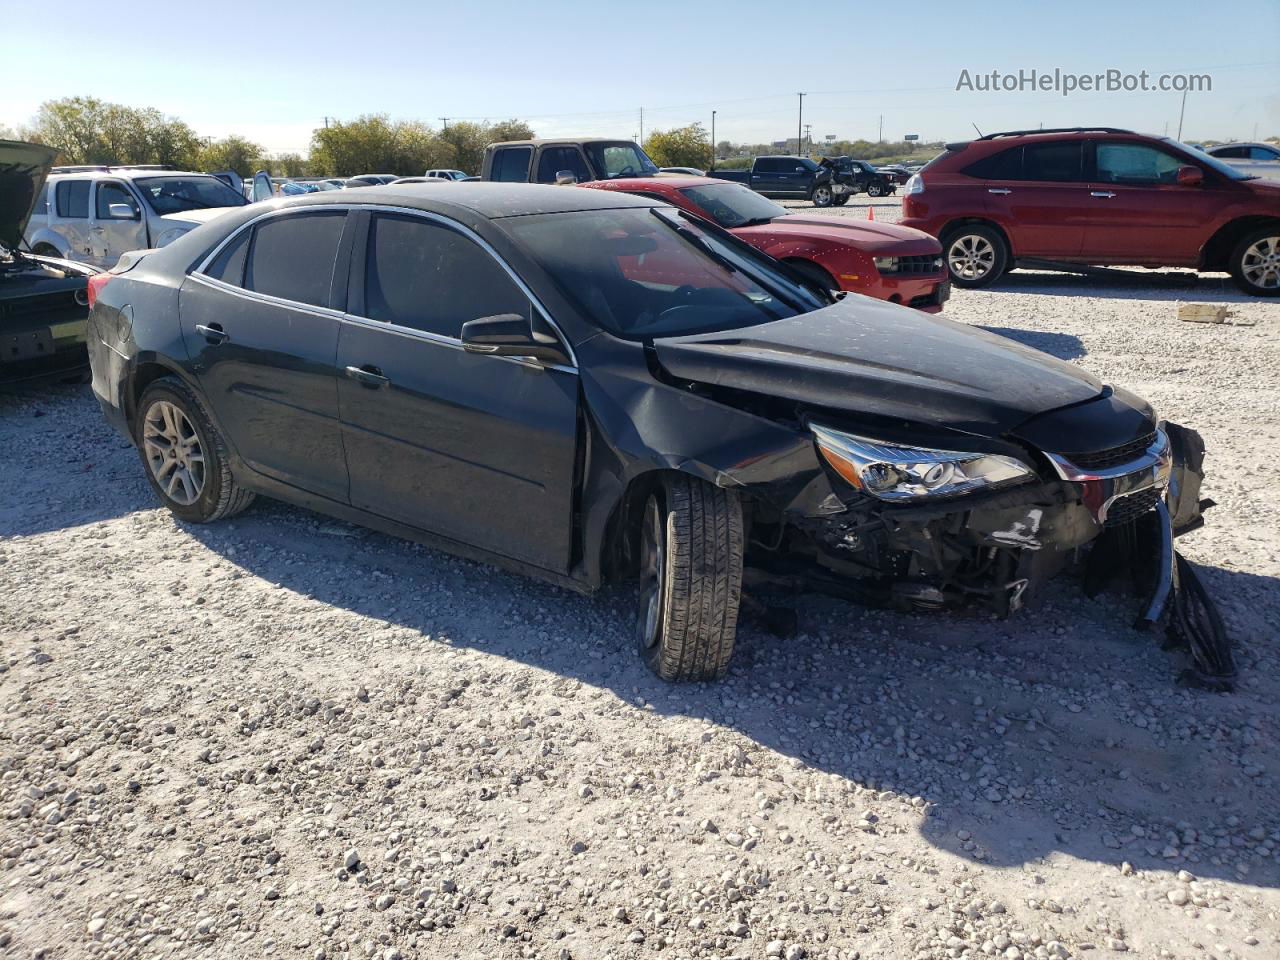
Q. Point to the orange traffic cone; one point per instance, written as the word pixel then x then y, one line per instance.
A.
pixel 871 212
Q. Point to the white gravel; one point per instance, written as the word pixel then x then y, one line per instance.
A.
pixel 285 736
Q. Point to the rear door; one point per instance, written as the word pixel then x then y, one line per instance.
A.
pixel 71 218
pixel 474 448
pixel 1139 213
pixel 116 225
pixel 1038 193
pixel 261 327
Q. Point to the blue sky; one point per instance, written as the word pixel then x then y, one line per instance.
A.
pixel 576 68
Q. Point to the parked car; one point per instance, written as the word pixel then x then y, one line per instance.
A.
pixel 792 178
pixel 1095 196
pixel 565 161
pixel 95 214
pixel 895 173
pixel 860 176
pixel 370 179
pixel 1256 159
pixel 44 300
pixel 445 175
pixel 421 180
pixel 591 387
pixel 683 171
pixel 881 260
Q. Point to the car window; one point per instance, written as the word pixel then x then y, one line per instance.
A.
pixel 1231 153
pixel 733 204
pixel 109 193
pixel 72 199
pixel 511 164
pixel 178 194
pixel 292 257
pixel 42 202
pixel 767 165
pixel 1053 162
pixel 1263 153
pixel 1005 165
pixel 555 159
pixel 228 266
pixel 1135 163
pixel 424 275
pixel 621 160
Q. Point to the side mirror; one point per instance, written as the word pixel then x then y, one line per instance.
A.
pixel 1189 176
pixel 511 335
pixel 121 211
pixel 565 178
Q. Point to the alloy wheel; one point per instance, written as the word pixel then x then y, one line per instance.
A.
pixel 1260 264
pixel 821 196
pixel 971 257
pixel 173 451
pixel 652 574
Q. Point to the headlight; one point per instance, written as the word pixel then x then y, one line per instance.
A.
pixel 891 472
pixel 169 236
pixel 915 184
pixel 887 264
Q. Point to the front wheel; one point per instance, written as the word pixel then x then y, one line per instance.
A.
pixel 691 548
pixel 822 196
pixel 1255 263
pixel 875 190
pixel 976 255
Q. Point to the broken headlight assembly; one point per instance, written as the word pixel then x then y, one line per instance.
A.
pixel 898 473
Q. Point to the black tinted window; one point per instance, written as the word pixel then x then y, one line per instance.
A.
pixel 766 165
pixel 555 159
pixel 511 165
pixel 1005 165
pixel 1052 161
pixel 72 197
pixel 228 266
pixel 1231 153
pixel 423 275
pixel 292 257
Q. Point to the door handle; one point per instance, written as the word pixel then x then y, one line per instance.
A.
pixel 1101 193
pixel 369 375
pixel 1000 190
pixel 213 333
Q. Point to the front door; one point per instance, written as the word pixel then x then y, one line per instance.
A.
pixel 1139 213
pixel 116 225
pixel 261 329
pixel 475 448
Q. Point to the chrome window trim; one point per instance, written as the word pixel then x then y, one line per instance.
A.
pixel 267 298
pixel 198 272
pixel 412 333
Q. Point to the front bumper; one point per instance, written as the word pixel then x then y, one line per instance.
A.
pixel 925 292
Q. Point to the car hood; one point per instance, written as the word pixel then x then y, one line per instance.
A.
pixel 866 235
pixel 193 218
pixel 873 358
pixel 23 169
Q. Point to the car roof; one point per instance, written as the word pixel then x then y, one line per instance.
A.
pixel 538 142
pixel 126 173
pixel 490 200
pixel 1245 143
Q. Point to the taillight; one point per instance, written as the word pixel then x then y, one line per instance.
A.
pixel 96 283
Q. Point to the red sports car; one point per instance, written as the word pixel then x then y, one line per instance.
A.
pixel 881 260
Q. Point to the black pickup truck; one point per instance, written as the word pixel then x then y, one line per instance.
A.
pixel 861 176
pixel 792 178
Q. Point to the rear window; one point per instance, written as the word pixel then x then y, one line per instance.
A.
pixel 293 257
pixel 72 199
pixel 511 164
pixel 1047 162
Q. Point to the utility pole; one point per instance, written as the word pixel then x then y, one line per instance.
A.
pixel 713 140
pixel 1182 113
pixel 445 121
pixel 799 121
pixel 807 135
pixel 641 140
pixel 880 136
pixel 326 121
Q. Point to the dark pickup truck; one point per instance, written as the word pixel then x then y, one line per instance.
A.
pixel 861 176
pixel 565 161
pixel 792 178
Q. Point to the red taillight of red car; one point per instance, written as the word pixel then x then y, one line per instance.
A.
pixel 96 283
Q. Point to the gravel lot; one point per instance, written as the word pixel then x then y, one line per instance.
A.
pixel 285 736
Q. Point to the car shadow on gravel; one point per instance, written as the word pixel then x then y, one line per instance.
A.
pixel 1181 286
pixel 1064 346
pixel 1060 732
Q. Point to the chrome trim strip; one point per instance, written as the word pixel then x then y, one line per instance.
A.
pixel 466 231
pixel 1159 450
pixel 266 298
pixel 453 343
pixel 1104 487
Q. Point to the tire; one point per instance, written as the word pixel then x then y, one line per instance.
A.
pixel 875 190
pixel 1255 263
pixel 811 271
pixel 690 579
pixel 976 255
pixel 841 200
pixel 822 195
pixel 208 492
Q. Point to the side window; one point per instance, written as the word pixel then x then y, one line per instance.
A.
pixel 1264 153
pixel 1053 162
pixel 72 199
pixel 555 159
pixel 293 257
pixel 1231 153
pixel 1135 163
pixel 109 193
pixel 765 165
pixel 228 266
pixel 421 274
pixel 511 165
pixel 1005 165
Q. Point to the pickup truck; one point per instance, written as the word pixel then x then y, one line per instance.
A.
pixel 565 161
pixel 792 178
pixel 861 176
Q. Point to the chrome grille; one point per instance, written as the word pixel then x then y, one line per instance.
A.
pixel 1113 457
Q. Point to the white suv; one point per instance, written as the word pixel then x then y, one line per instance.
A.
pixel 94 214
pixel 446 174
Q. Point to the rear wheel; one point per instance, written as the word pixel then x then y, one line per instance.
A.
pixel 875 190
pixel 822 196
pixel 1255 263
pixel 691 546
pixel 976 255
pixel 841 200
pixel 185 456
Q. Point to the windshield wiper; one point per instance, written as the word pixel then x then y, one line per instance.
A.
pixel 754 222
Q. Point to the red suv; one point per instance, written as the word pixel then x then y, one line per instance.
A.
pixel 1098 196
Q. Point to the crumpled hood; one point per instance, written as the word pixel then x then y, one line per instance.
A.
pixel 879 239
pixel 23 169
pixel 874 358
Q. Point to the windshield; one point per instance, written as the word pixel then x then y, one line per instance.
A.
pixel 654 272
pixel 733 205
pixel 180 194
pixel 1218 166
pixel 614 160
